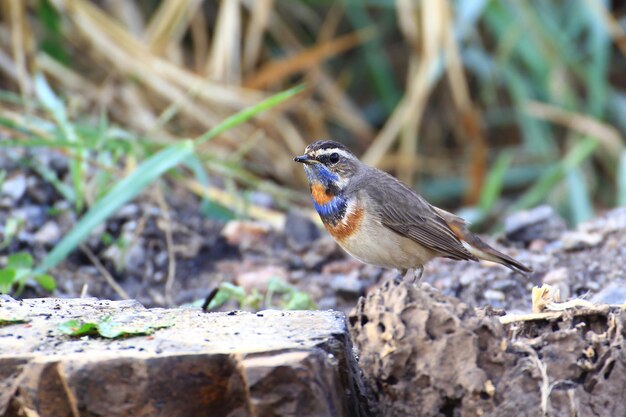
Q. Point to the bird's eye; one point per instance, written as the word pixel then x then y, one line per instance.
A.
pixel 333 158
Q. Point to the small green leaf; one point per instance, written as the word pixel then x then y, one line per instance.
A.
pixel 47 282
pixel 77 328
pixel 278 285
pixel 109 329
pixel 20 260
pixel 106 328
pixel 227 292
pixel 299 301
pixel 7 279
pixel 112 330
pixel 4 321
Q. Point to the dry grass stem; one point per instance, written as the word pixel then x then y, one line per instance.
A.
pixel 607 135
pixel 105 273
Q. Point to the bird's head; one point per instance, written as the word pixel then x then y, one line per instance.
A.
pixel 329 164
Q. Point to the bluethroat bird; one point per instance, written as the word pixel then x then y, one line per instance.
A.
pixel 380 221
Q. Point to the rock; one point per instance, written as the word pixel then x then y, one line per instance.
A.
pixel 48 234
pixel 348 284
pixel 424 354
pixel 33 216
pixel 127 212
pixel 611 221
pixel 41 192
pixel 559 278
pixel 469 276
pixel 614 293
pixel 246 234
pixel 342 266
pixel 322 251
pixel 494 295
pixel 300 230
pixel 539 223
pixel 14 187
pixel 260 278
pixel 131 258
pixel 53 159
pixel 271 363
pixel 580 240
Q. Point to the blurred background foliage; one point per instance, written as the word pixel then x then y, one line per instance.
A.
pixel 490 106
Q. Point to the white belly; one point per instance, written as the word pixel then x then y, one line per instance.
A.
pixel 377 245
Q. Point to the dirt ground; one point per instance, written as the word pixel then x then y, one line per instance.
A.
pixel 133 247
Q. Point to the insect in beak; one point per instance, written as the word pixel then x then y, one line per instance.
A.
pixel 304 159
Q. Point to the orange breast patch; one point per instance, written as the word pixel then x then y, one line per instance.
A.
pixel 344 229
pixel 318 191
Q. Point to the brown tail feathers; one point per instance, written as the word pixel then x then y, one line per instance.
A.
pixel 477 247
pixel 482 250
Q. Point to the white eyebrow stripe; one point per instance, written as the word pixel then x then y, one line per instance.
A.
pixel 334 150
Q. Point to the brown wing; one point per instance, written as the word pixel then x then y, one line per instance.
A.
pixel 408 214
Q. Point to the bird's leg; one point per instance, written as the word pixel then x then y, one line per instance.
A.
pixel 418 271
pixel 400 277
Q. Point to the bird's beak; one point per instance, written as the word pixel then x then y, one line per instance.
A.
pixel 304 159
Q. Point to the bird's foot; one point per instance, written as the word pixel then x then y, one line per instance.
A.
pixel 397 280
pixel 418 271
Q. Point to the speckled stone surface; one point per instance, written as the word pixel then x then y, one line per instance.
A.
pixel 271 363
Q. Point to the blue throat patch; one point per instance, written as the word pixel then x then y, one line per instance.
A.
pixel 333 211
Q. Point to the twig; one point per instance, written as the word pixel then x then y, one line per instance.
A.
pixel 105 274
pixel 209 298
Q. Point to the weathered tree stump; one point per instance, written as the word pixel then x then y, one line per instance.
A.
pixel 426 354
pixel 272 363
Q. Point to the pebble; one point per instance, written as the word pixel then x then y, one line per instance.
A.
pixel 300 229
pixel 494 295
pixel 48 234
pixel 613 293
pixel 129 211
pixel 348 284
pixel 40 192
pixel 542 222
pixel 33 216
pixel 53 160
pixel 260 278
pixel 503 284
pixel 130 259
pixel 469 276
pixel 321 252
pixel 246 234
pixel 341 266
pixel 611 221
pixel 560 279
pixel 580 240
pixel 14 187
pixel 161 258
pixel 135 257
